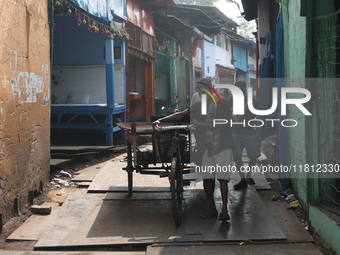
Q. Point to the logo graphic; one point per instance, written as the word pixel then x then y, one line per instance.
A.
pixel 238 102
pixel 213 90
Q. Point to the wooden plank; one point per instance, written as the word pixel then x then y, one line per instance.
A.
pixel 33 228
pixel 55 162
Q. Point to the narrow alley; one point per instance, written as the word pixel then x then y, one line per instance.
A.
pixel 154 127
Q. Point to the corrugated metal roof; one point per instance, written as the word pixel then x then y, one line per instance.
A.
pixel 161 3
pixel 196 17
pixel 213 12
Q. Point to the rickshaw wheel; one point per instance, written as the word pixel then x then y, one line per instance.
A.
pixel 129 168
pixel 176 187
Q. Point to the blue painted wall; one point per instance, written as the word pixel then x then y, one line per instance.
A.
pixel 240 55
pixel 76 45
pixel 105 9
pixel 208 59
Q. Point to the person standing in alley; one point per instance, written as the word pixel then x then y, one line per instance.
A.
pixel 244 137
pixel 217 146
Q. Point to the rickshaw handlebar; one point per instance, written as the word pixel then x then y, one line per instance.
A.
pixel 186 127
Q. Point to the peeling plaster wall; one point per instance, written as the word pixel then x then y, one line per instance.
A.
pixel 294 55
pixel 24 100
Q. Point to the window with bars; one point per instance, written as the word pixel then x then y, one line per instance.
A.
pixel 327 68
pixel 220 41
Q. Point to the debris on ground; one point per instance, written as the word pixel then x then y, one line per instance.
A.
pixel 62 172
pixel 58 182
pixel 71 168
pixel 277 198
pixel 294 205
pixel 291 196
pixel 62 191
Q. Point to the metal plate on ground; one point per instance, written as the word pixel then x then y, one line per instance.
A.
pixel 89 173
pixel 56 161
pixel 253 249
pixel 69 148
pixel 112 196
pixel 260 179
pixel 287 220
pixel 72 253
pixel 87 220
pixel 112 178
pixel 80 148
pixel 261 182
pixel 250 219
pixel 84 184
pixel 33 228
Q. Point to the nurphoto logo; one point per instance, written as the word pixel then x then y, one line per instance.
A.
pixel 239 105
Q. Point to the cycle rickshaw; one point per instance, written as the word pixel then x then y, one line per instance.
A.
pixel 169 157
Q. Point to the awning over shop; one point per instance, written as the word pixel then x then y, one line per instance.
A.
pixel 141 41
pixel 225 72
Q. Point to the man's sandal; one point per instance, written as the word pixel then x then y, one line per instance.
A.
pixel 224 216
pixel 209 214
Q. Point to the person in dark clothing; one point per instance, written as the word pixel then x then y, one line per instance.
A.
pixel 215 144
pixel 245 138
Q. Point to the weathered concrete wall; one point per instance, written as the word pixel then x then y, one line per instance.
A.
pixel 325 224
pixel 294 54
pixel 24 100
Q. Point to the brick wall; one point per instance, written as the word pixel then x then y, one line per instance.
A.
pixel 24 100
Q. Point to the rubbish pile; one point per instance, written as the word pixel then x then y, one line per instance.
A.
pixel 62 180
pixel 289 196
